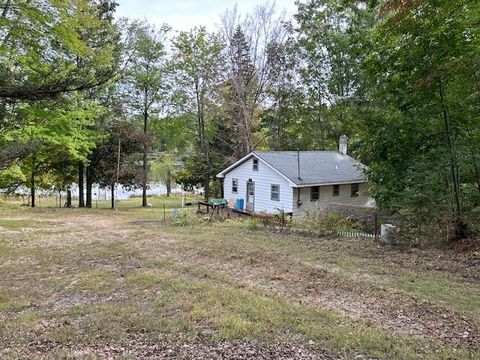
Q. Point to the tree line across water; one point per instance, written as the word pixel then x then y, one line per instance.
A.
pixel 87 98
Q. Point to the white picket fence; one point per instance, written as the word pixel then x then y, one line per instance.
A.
pixel 345 234
pixel 348 234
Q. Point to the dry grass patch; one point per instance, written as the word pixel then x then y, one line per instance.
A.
pixel 90 280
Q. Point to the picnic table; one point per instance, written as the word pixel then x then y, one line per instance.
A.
pixel 212 204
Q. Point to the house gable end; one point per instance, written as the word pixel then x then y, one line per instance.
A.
pixel 222 174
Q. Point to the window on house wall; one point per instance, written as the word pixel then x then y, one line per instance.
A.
pixel 336 190
pixel 275 192
pixel 255 164
pixel 355 190
pixel 234 186
pixel 314 193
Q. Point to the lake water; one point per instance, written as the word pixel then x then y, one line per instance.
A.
pixel 104 194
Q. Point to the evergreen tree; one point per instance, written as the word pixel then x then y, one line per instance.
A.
pixel 239 94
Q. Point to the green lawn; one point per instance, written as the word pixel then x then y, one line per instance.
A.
pixel 77 283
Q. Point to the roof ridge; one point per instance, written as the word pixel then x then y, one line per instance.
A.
pixel 317 166
pixel 295 151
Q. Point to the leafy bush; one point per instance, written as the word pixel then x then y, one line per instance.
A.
pixel 421 230
pixel 326 222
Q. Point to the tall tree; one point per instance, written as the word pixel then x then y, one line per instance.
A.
pixel 53 50
pixel 249 71
pixel 97 38
pixel 199 69
pixel 239 92
pixel 145 81
pixel 114 161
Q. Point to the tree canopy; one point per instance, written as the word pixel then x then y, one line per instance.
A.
pixel 399 78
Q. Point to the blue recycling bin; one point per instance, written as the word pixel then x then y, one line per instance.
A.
pixel 240 203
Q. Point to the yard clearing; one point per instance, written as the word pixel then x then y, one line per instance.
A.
pixel 90 284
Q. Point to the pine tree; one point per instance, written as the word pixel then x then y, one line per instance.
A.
pixel 239 92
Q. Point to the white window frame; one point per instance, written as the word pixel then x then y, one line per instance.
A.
pixel 255 164
pixel 272 192
pixel 234 185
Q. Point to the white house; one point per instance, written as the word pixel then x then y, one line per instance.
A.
pixel 296 182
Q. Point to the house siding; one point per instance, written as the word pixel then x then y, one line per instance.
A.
pixel 263 178
pixel 327 198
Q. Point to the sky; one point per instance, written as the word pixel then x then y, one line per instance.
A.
pixel 185 14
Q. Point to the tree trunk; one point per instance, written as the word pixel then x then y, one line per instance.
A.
pixel 144 185
pixel 453 160
pixel 89 187
pixel 169 186
pixel 477 172
pixel 69 198
pixel 6 8
pixel 203 140
pixel 476 169
pixel 145 160
pixel 81 197
pixel 112 189
pixel 32 186
pixel 206 186
pixel 460 228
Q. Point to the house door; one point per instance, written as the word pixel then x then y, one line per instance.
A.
pixel 250 196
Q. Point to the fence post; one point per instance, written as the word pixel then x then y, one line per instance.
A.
pixel 376 227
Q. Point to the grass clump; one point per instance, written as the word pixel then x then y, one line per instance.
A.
pixel 254 224
pixel 15 224
pixel 97 281
pixel 186 219
pixel 145 278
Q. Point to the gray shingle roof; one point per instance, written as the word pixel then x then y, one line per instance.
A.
pixel 316 167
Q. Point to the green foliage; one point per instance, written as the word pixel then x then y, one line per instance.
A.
pixel 173 133
pixel 326 47
pixel 164 171
pixel 123 137
pixel 54 134
pixel 78 35
pixel 198 72
pixel 12 178
pixel 144 84
pixel 320 222
pixel 399 78
pixel 420 132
